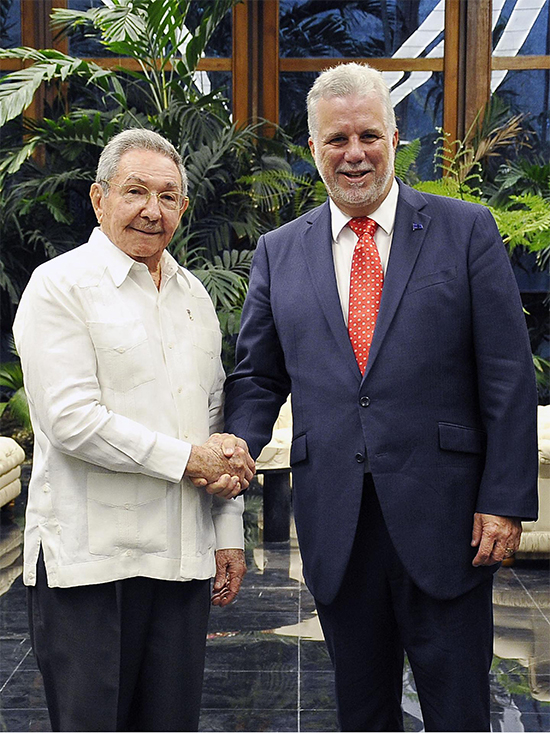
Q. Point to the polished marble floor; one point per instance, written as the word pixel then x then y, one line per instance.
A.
pixel 267 668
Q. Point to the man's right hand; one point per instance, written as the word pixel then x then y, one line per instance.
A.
pixel 222 466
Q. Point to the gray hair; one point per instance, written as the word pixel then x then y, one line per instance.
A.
pixel 136 139
pixel 346 80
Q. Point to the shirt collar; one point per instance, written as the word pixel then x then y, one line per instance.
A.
pixel 384 215
pixel 119 263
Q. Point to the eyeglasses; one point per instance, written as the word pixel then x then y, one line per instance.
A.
pixel 138 195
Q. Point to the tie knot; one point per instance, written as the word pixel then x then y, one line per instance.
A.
pixel 363 225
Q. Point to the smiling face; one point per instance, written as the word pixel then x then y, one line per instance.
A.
pixel 142 231
pixel 354 152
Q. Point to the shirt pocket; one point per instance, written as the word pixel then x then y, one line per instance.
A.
pixel 126 512
pixel 206 354
pixel 124 359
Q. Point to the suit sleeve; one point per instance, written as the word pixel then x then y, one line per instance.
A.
pixel 506 379
pixel 260 384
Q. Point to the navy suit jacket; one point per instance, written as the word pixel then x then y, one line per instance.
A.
pixel 445 413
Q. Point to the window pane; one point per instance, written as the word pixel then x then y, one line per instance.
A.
pixel 419 114
pixel 85 43
pixel 210 81
pixel 10 24
pixel 219 45
pixel 521 27
pixel 528 92
pixel 317 28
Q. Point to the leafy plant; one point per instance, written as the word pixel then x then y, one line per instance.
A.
pixel 46 166
pixel 15 406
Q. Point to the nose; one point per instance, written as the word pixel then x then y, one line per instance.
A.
pixel 151 210
pixel 354 152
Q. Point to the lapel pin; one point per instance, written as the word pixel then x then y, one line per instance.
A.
pixel 417 226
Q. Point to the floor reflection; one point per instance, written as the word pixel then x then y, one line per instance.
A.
pixel 267 666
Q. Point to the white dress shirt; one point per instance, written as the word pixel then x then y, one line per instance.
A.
pixel 122 379
pixel 344 241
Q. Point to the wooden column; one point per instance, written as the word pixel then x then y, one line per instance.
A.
pixel 478 52
pixel 242 59
pixel 35 32
pixel 452 71
pixel 269 60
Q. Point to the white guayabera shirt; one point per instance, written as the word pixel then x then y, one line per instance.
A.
pixel 122 379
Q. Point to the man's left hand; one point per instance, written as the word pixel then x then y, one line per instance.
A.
pixel 496 538
pixel 230 571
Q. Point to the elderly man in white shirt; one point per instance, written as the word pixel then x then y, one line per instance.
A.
pixel 133 500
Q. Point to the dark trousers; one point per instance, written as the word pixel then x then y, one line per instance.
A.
pixel 378 613
pixel 121 656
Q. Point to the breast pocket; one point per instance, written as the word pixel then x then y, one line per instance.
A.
pixel 124 358
pixel 206 353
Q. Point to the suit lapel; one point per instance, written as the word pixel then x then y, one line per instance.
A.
pixel 317 248
pixel 410 230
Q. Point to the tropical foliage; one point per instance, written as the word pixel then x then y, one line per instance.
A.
pixel 45 176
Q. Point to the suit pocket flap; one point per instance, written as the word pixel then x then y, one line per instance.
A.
pixel 298 451
pixel 433 278
pixel 461 438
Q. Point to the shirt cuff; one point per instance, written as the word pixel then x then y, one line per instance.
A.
pixel 228 524
pixel 168 459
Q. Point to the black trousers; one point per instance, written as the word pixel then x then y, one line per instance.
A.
pixel 121 656
pixel 378 613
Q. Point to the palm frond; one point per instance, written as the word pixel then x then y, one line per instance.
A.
pixel 405 156
pixel 18 88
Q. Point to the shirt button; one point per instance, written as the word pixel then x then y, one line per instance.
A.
pixel 180 390
pixel 31 576
pixel 46 489
pixel 364 401
pixel 170 346
pixel 360 458
pixel 126 506
pixel 129 553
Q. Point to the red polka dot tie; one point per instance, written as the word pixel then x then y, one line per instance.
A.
pixel 365 291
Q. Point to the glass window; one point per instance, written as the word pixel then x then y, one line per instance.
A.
pixel 521 28
pixel 85 43
pixel 528 92
pixel 221 44
pixel 317 28
pixel 10 23
pixel 212 81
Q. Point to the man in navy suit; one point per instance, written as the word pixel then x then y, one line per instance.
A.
pixel 411 475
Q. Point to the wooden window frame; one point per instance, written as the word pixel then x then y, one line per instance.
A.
pixel 255 63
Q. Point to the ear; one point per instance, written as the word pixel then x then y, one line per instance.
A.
pixel 183 209
pixel 97 196
pixel 311 146
pixel 395 139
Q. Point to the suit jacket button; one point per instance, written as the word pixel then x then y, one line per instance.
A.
pixel 360 458
pixel 364 401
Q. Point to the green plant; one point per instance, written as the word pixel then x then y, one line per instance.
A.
pixel 46 166
pixel 16 406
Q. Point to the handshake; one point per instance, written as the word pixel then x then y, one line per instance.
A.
pixel 222 466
